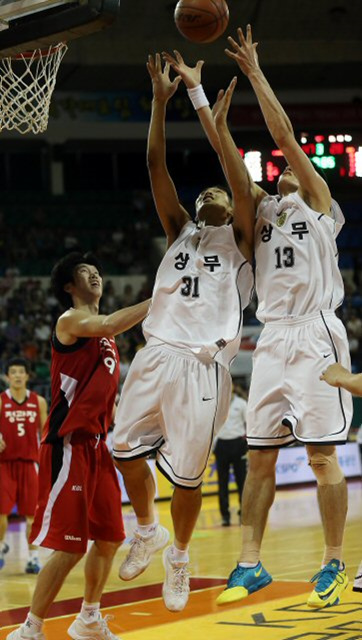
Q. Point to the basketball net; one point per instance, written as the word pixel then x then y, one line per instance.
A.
pixel 27 82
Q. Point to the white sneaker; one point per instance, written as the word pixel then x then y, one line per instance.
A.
pixel 139 555
pixel 80 630
pixel 20 634
pixel 176 587
pixel 357 585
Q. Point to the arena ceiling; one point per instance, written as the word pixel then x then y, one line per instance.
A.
pixel 303 44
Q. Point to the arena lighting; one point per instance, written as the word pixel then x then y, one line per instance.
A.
pixel 253 163
pixel 358 158
pixel 324 162
pixel 352 161
pixel 340 154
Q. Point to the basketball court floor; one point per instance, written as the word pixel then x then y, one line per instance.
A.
pixel 291 553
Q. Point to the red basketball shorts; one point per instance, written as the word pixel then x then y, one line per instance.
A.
pixel 79 495
pixel 18 485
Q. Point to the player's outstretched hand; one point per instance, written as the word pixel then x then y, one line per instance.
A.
pixel 221 107
pixel 244 51
pixel 163 87
pixel 335 375
pixel 190 75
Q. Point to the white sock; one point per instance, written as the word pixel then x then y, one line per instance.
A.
pixel 248 565
pixel 179 555
pixel 33 624
pixel 33 554
pixel 146 530
pixel 89 611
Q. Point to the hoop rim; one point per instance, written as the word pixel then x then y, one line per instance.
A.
pixel 38 53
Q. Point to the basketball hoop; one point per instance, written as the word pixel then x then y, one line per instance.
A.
pixel 27 82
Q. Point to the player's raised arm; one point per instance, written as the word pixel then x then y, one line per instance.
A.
pixel 172 214
pixel 246 194
pixel 191 77
pixel 313 188
pixel 76 323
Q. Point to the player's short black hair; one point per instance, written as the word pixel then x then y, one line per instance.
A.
pixel 18 361
pixel 63 273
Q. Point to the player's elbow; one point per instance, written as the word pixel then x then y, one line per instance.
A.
pixel 284 137
pixel 109 328
pixel 152 159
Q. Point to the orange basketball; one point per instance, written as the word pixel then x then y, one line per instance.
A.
pixel 201 20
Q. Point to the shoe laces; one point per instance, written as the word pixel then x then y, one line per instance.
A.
pixel 326 576
pixel 235 576
pixel 179 578
pixel 138 548
pixel 103 623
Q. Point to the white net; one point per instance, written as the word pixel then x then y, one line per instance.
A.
pixel 26 86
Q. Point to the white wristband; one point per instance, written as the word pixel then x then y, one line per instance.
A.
pixel 198 97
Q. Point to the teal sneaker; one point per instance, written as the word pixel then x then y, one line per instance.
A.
pixel 4 550
pixel 331 582
pixel 244 581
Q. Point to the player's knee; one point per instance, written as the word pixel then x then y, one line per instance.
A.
pixel 129 468
pixel 262 462
pixel 187 493
pixel 106 548
pixel 65 561
pixel 326 467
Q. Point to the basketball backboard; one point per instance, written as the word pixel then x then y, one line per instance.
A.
pixel 31 24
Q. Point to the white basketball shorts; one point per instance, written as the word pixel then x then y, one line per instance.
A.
pixel 287 401
pixel 174 403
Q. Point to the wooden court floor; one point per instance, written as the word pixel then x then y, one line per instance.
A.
pixel 291 553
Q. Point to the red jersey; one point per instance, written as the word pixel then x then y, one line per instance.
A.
pixel 19 425
pixel 84 384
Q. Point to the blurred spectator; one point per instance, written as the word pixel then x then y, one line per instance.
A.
pixel 12 331
pixel 230 451
pixel 43 329
pixel 128 297
pixel 354 323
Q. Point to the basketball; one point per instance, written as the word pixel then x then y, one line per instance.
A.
pixel 201 20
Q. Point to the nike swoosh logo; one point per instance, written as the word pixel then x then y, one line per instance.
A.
pixel 257 573
pixel 324 596
pixel 327 356
pixel 206 399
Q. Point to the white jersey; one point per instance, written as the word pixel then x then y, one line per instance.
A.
pixel 296 255
pixel 201 288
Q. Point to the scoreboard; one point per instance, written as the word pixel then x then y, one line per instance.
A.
pixel 338 154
